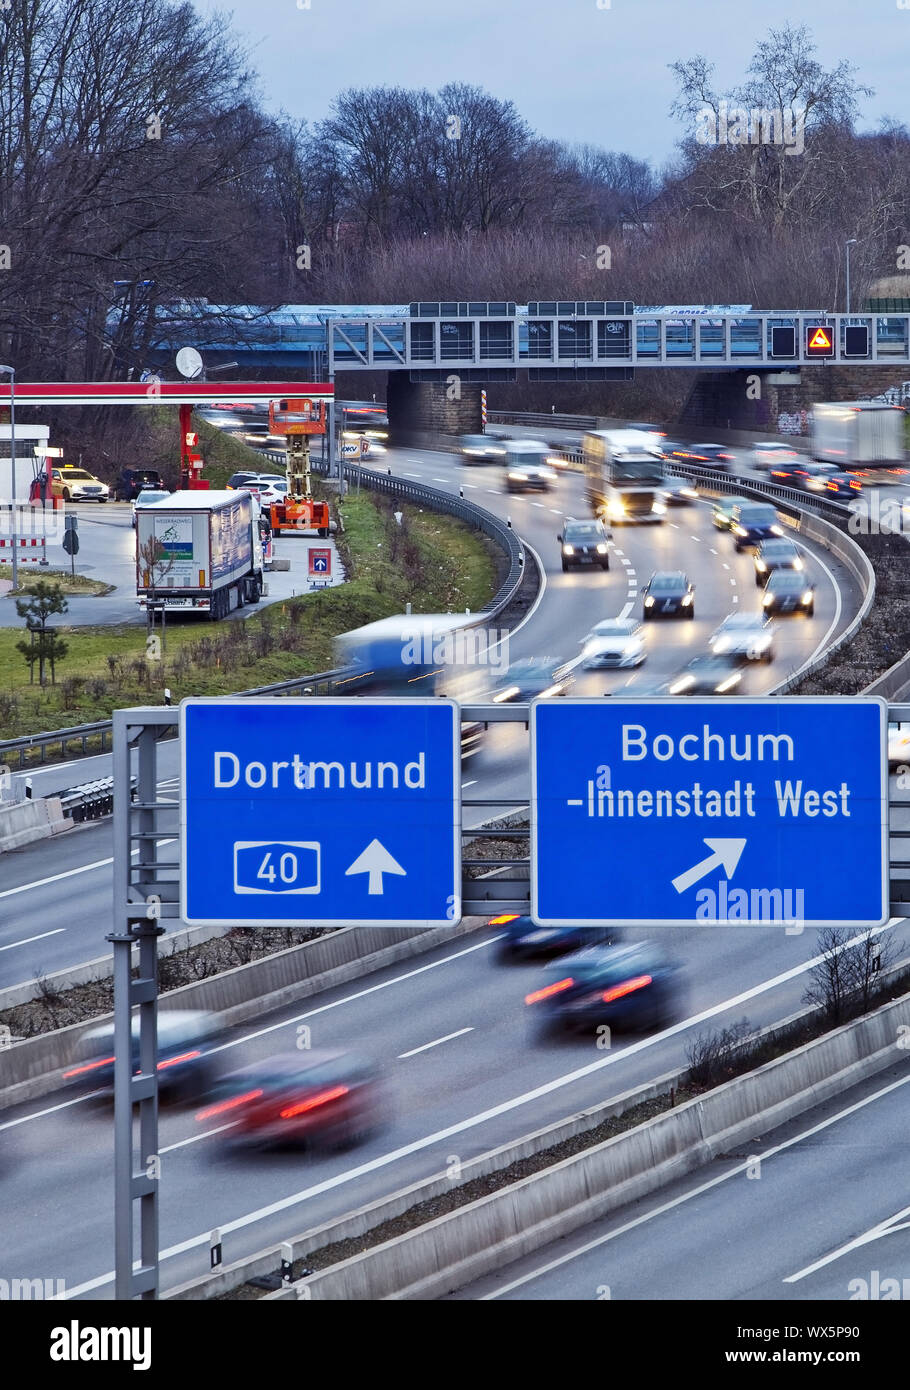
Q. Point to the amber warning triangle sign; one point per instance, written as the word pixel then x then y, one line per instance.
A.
pixel 820 341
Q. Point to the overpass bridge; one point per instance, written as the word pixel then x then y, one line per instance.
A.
pixel 553 340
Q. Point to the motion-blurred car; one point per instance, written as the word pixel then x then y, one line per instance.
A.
pixel 754 522
pixel 715 456
pixel 749 636
pixel 147 495
pixel 708 675
pixel 898 745
pixel 788 591
pixel 523 938
pixel 481 448
pixel 676 492
pixel 776 554
pixel 845 485
pixel 616 642
pixel 805 474
pixel 627 987
pixel 722 512
pixel 530 476
pixel 331 1099
pixel 668 594
pixel 527 680
pixel 772 455
pixel 584 543
pixel 186 1067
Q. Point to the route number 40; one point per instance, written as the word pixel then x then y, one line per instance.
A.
pixel 276 866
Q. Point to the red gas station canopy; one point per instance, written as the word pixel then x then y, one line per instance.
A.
pixel 164 392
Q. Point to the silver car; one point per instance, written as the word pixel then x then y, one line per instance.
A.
pixel 616 642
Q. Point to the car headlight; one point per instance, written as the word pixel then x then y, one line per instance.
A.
pixel 519 477
pixel 739 530
pixel 684 683
pixel 616 507
pixel 728 684
pixel 602 548
pixel 568 550
pixel 659 508
pixel 767 601
pixel 649 601
pixel 686 600
pixel 508 694
pixel 798 564
pixel 760 565
pixel 807 596
pixel 776 531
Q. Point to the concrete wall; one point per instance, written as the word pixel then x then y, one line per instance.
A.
pixel 416 408
pixel 26 821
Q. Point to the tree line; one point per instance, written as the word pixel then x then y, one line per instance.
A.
pixel 139 170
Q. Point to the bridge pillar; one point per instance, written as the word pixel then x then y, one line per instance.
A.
pixel 421 409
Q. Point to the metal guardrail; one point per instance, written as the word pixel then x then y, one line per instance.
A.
pixel 92 800
pixel 13 752
pixel 554 421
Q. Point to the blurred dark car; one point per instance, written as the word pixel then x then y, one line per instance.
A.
pixel 668 594
pixel 754 522
pixel 522 938
pixel 481 448
pixel 628 987
pixel 238 480
pixel 776 554
pixel 708 675
pixel 677 492
pixel 584 543
pixel 805 474
pixel 722 512
pixel 331 1099
pixel 132 481
pixel 186 1067
pixel 789 591
pixel 842 485
pixel 715 456
pixel 527 680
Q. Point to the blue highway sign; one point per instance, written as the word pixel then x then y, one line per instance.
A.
pixel 659 812
pixel 320 812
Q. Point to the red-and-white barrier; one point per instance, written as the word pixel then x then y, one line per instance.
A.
pixel 33 543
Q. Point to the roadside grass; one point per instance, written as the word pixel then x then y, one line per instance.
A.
pixel 434 562
pixel 68 583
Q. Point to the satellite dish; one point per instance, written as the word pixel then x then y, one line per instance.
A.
pixel 189 363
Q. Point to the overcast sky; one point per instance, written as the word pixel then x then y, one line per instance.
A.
pixel 575 71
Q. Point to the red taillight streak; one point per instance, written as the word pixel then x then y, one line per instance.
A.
pixel 89 1066
pixel 545 993
pixel 184 1057
pixel 226 1105
pixel 626 987
pixel 313 1102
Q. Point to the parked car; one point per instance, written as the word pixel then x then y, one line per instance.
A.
pixel 147 495
pixel 132 480
pixel 76 485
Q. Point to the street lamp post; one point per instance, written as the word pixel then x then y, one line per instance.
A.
pixel 14 530
pixel 847 245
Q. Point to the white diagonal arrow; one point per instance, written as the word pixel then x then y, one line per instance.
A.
pixel 375 861
pixel 726 852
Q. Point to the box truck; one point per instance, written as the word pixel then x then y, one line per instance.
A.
pixel 199 552
pixel 868 433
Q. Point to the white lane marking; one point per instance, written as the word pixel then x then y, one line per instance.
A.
pixel 27 939
pixel 194 1138
pixel 883 1228
pixel 695 538
pixel 55 878
pixel 625 561
pixel 51 1110
pixel 712 550
pixel 696 1192
pixel 440 1136
pixel 412 475
pixel 491 492
pixel 674 525
pixel 837 600
pixel 726 567
pixel 435 1043
pixel 537 504
pixel 732 581
pixel 442 480
pixel 465 785
pixel 736 598
pixel 556 511
pixel 471 487
pixel 627 609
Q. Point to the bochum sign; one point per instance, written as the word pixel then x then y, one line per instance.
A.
pixel 673 812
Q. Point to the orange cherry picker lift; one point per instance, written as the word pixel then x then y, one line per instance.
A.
pixel 297 419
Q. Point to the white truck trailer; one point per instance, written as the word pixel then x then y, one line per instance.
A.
pixel 868 433
pixel 199 552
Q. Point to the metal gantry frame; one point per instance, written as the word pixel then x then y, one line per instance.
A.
pixel 146 893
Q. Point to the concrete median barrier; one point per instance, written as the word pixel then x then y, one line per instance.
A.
pixel 26 821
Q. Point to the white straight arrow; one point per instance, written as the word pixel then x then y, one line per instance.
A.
pixel 725 852
pixel 375 861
